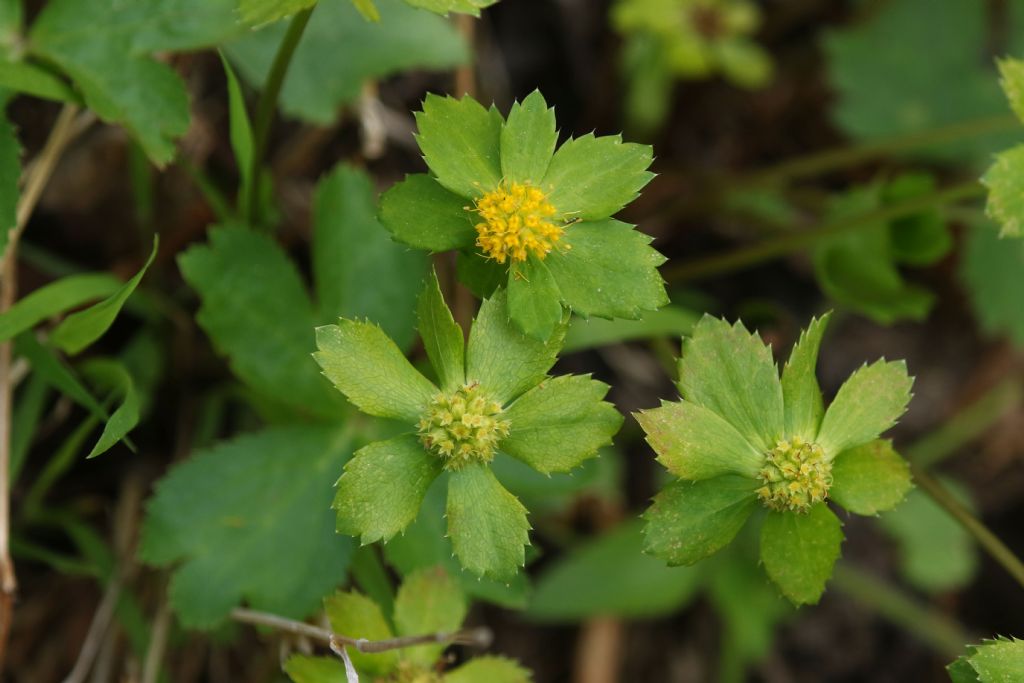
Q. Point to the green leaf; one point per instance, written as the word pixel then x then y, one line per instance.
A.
pixel 30 402
pixel 884 90
pixel 998 661
pixel 695 443
pixel 266 11
pixel 502 359
pixel 461 143
pixel 1005 183
pixel 668 321
pixel 229 515
pixel 692 520
pixel 576 587
pixel 368 9
pixel 801 395
pixel 445 6
pixel 114 377
pixel 421 213
pixel 731 372
pixel 81 329
pixel 593 177
pixel 365 365
pixel 350 251
pixel 993 268
pixel 528 140
pixel 936 553
pixel 1011 73
pixel 357 616
pixel 486 523
pixel 799 550
pixel 340 51
pixel 533 299
pixel 256 311
pixel 868 404
pixel 425 544
pixel 608 269
pixel 491 669
pixel 306 669
pixel 560 423
pixel 10 174
pixel 960 671
pixel 37 81
pixel 47 363
pixel 870 479
pixel 921 238
pixel 382 488
pixel 55 298
pixel 240 132
pixel 429 601
pixel 442 336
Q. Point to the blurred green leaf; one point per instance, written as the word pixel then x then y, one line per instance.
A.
pixel 10 174
pixel 993 270
pixel 266 11
pixel 240 133
pixel 357 616
pixel 428 601
pixel 228 516
pixel 31 79
pixel 49 300
pixel 30 401
pixel 580 585
pixel 1005 183
pixel 82 328
pixel 670 321
pixel 445 6
pixel 340 50
pixel 114 377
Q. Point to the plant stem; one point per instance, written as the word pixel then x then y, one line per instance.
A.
pixel 934 628
pixel 982 534
pixel 268 102
pixel 477 637
pixel 831 159
pixel 38 175
pixel 785 244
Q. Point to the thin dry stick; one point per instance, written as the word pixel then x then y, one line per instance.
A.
pixel 157 644
pixel 36 179
pixel 476 637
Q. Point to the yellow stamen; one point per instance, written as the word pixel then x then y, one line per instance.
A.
pixel 515 220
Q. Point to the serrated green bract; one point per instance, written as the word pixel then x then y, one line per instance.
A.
pixel 799 551
pixel 742 436
pixel 1011 72
pixel 229 516
pixel 486 523
pixel 993 661
pixel 496 395
pixel 885 92
pixel 531 216
pixel 429 601
pixel 340 51
pixel 1005 182
pixel 350 251
pixel 992 268
pixel 110 62
pixel 257 312
pixel 870 479
pixel 491 669
pixel 82 328
pixel 691 520
pixel 576 587
pixel 306 669
pixel 354 615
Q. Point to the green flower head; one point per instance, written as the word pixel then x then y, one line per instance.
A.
pixel 741 439
pixel 525 214
pixel 428 601
pixel 492 395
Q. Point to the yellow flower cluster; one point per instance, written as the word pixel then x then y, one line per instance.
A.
pixel 463 427
pixel 516 221
pixel 795 476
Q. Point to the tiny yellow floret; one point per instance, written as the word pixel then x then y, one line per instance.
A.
pixel 462 427
pixel 515 221
pixel 795 476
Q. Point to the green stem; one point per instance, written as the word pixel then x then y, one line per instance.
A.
pixel 934 628
pixel 966 425
pixel 268 102
pixel 982 534
pixel 828 160
pixel 785 244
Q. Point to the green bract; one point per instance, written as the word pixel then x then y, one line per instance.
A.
pixel 1005 179
pixel 741 437
pixel 429 601
pixel 994 661
pixel 527 215
pixel 492 394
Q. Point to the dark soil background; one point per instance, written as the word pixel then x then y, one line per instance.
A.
pixel 88 218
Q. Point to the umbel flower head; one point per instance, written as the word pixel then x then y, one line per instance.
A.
pixel 492 395
pixel 527 215
pixel 428 601
pixel 741 439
